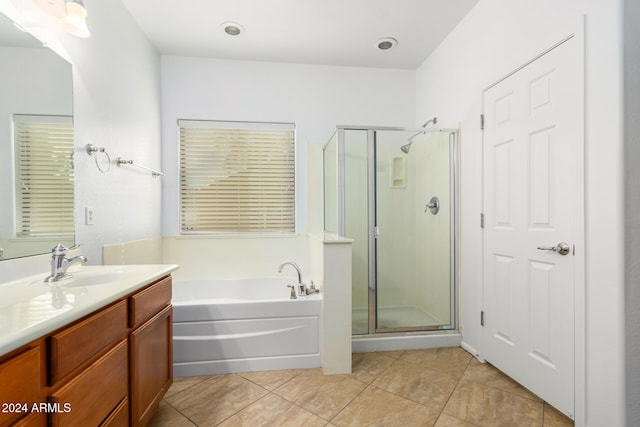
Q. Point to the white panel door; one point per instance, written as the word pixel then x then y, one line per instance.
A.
pixel 531 187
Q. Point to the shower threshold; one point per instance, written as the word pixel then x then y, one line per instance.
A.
pixel 394 341
pixel 396 317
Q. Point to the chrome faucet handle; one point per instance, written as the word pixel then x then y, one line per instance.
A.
pixel 61 249
pixel 311 289
pixel 302 289
pixel 293 292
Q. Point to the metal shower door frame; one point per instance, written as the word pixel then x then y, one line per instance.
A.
pixel 373 229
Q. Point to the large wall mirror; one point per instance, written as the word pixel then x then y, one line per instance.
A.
pixel 36 146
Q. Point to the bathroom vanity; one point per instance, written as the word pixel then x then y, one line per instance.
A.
pixel 93 351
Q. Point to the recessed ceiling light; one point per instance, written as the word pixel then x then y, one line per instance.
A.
pixel 386 43
pixel 232 28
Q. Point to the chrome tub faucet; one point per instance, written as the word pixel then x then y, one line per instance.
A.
pixel 301 286
pixel 60 263
pixel 303 289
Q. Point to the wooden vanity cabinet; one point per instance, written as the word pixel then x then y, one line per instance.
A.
pixel 111 368
pixel 150 352
pixel 151 367
pixel 20 379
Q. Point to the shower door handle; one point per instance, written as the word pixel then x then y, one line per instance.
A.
pixel 562 248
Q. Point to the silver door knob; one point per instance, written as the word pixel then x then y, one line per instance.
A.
pixel 562 248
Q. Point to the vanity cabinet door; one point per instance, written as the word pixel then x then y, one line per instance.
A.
pixel 19 385
pixel 150 359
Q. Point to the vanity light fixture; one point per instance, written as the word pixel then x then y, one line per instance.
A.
pixel 75 21
pixel 386 43
pixel 232 28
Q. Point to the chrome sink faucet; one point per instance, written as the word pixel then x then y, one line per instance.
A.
pixel 301 286
pixel 60 263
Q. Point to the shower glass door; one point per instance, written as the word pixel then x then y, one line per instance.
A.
pixel 402 259
pixel 413 238
pixel 356 224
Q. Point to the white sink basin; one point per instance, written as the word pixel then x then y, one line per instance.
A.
pixel 31 308
pixel 92 278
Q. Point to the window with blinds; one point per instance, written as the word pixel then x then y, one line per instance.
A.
pixel 237 177
pixel 44 175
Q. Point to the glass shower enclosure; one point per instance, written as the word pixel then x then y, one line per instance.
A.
pixel 393 192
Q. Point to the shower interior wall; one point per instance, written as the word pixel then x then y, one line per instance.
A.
pixel 412 266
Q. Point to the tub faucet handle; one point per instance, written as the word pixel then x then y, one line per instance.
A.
pixel 293 292
pixel 311 289
pixel 302 289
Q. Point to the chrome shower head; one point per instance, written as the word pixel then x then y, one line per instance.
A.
pixel 405 148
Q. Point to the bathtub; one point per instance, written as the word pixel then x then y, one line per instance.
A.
pixel 242 325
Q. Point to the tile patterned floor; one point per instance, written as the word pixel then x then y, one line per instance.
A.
pixel 443 387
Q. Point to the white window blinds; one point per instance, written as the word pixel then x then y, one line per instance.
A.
pixel 44 175
pixel 237 177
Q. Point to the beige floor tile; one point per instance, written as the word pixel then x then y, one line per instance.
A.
pixel 183 383
pixel 271 380
pixel 167 416
pixel 555 418
pixel 376 407
pixel 484 373
pixel 273 410
pixel 422 385
pixel 366 367
pixel 324 395
pixel 487 406
pixel 452 360
pixel 213 400
pixel 448 421
pixel 395 354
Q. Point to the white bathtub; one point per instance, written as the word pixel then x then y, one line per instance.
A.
pixel 241 325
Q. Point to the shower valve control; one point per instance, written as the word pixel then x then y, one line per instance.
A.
pixel 433 205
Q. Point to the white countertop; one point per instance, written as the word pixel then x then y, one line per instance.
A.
pixel 30 308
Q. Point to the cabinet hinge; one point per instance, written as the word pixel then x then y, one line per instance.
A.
pixel 481 219
pixel 481 121
pixel 482 318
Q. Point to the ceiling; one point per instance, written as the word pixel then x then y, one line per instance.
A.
pixel 332 32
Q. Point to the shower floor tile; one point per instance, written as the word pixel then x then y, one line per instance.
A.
pixel 431 387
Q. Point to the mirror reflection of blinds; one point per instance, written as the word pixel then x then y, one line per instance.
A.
pixel 44 175
pixel 237 177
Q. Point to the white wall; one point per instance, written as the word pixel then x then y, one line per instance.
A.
pixel 496 37
pixel 116 97
pixel 316 98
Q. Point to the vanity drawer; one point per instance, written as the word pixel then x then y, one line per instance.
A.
pixel 95 393
pixel 34 419
pixel 77 344
pixel 19 385
pixel 146 303
pixel 119 417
